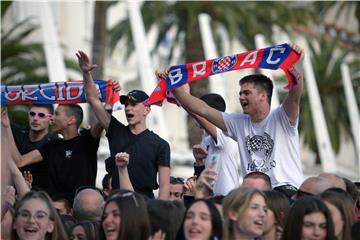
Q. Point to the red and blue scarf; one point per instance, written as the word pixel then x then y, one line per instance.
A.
pixel 56 92
pixel 279 56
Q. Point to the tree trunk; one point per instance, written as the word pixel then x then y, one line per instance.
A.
pixel 194 53
pixel 98 44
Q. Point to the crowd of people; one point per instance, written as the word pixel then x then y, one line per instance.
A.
pixel 49 178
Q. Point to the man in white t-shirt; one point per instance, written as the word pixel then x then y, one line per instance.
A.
pixel 268 141
pixel 216 145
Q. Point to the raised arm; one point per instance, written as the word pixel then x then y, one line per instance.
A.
pixel 91 92
pixel 291 102
pixel 20 160
pixel 122 160
pixel 18 179
pixel 205 115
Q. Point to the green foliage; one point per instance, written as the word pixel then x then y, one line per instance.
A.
pixel 22 61
pixel 326 59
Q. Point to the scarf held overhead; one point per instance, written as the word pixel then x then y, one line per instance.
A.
pixel 279 56
pixel 56 93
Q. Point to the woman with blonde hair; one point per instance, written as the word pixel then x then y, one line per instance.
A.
pixel 244 211
pixel 36 218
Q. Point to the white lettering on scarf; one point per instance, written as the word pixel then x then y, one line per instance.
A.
pixel 251 58
pixel 272 50
pixel 175 76
pixel 199 71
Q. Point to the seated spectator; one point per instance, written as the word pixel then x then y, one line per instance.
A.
pixel 35 209
pixel 176 189
pixel 278 207
pixel 87 230
pixel 342 212
pixel 88 204
pixel 125 217
pixel 257 180
pixel 202 220
pixel 244 211
pixel 309 218
pixel 164 216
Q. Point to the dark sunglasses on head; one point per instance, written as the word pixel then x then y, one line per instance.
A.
pixel 39 114
pixel 123 195
pixel 176 180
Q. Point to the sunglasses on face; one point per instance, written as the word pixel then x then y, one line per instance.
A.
pixel 39 114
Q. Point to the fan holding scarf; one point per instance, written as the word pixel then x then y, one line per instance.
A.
pixel 268 140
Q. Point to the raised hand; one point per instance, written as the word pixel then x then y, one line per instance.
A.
pixel 297 49
pixel 205 183
pixel 189 186
pixel 122 159
pixel 28 178
pixel 200 153
pixel 84 62
pixel 116 86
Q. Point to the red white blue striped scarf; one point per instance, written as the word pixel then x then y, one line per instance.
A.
pixel 279 56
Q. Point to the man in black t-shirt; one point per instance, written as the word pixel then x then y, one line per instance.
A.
pixel 72 160
pixel 149 154
pixel 33 137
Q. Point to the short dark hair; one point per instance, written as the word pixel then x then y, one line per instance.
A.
pixel 106 180
pixel 215 101
pixel 261 175
pixel 76 111
pixel 261 82
pixel 48 107
pixel 59 197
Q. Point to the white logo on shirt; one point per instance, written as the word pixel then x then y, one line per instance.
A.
pixel 68 153
pixel 260 149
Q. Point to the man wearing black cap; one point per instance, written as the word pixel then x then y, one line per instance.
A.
pixel 149 153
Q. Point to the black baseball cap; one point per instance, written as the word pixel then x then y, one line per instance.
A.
pixel 136 96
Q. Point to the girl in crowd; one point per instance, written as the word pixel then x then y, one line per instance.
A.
pixel 342 212
pixel 202 221
pixel 244 211
pixel 36 218
pixel 86 230
pixel 125 217
pixel 278 207
pixel 309 218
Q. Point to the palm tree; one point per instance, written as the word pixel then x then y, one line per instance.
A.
pixel 328 77
pixel 241 19
pixel 22 62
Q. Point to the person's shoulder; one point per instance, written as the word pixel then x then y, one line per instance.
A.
pixel 115 122
pixel 156 137
pixel 52 136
